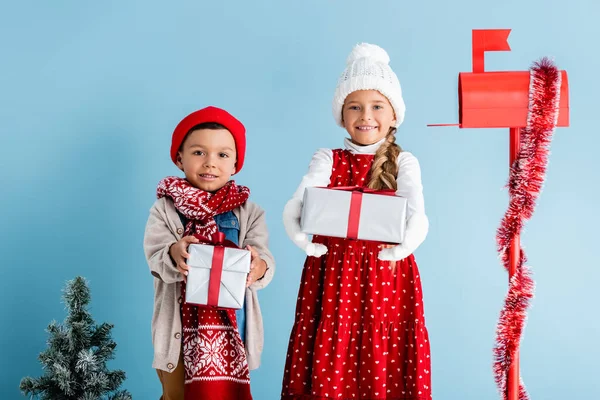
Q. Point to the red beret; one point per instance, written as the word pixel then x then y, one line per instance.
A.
pixel 211 114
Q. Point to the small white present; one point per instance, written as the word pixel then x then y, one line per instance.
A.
pixel 217 275
pixel 354 213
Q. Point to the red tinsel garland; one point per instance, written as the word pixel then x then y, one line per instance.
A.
pixel 524 185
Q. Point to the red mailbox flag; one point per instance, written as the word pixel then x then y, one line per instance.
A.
pixel 488 40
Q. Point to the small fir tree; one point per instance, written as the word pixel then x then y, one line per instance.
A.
pixel 75 361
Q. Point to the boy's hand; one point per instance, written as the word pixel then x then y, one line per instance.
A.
pixel 179 254
pixel 258 267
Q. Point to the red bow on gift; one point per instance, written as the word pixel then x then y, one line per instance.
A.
pixel 216 270
pixel 355 204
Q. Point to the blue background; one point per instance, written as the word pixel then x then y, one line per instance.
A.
pixel 91 91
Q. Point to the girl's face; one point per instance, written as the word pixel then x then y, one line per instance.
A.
pixel 208 158
pixel 367 116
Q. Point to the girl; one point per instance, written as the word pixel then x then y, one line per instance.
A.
pixel 359 330
pixel 199 352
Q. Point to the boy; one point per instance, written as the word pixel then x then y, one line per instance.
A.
pixel 200 346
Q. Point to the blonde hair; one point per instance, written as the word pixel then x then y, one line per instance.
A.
pixel 384 169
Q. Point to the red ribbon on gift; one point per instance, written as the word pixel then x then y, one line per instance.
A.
pixel 216 270
pixel 355 205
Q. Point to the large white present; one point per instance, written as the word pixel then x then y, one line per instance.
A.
pixel 217 275
pixel 354 213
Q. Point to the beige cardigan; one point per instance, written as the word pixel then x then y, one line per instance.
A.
pixel 162 230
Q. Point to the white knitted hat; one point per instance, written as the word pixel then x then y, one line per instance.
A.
pixel 367 68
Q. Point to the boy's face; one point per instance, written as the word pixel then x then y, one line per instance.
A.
pixel 208 158
pixel 367 116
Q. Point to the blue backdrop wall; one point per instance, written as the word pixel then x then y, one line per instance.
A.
pixel 90 93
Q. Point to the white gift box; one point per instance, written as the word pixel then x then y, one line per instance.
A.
pixel 209 284
pixel 354 214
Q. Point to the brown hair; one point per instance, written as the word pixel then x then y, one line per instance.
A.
pixel 384 169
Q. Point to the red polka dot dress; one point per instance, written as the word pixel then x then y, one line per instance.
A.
pixel 359 330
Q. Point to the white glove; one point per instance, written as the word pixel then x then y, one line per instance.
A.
pixel 291 222
pixel 416 231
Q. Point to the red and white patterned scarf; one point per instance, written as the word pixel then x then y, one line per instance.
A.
pixel 199 206
pixel 214 357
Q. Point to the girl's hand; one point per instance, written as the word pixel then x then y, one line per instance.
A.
pixel 395 253
pixel 291 222
pixel 179 254
pixel 258 267
pixel 315 249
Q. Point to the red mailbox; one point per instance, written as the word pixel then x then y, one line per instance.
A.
pixel 501 99
pixel 498 99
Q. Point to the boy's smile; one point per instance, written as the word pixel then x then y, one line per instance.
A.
pixel 208 158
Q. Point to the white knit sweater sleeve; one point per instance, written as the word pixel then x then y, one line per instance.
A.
pixel 417 224
pixel 319 172
pixel 409 183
